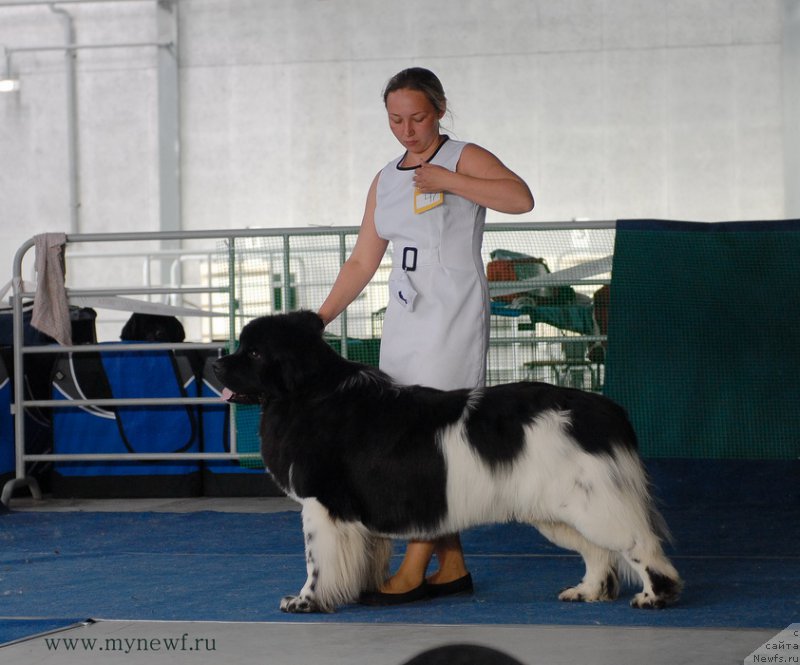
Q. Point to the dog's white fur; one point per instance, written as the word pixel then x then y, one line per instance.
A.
pixel 341 559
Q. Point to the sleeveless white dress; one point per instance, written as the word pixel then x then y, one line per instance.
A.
pixel 436 329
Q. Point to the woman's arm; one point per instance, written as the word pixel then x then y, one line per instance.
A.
pixel 480 177
pixel 359 268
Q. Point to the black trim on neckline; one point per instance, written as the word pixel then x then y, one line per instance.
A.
pixel 427 161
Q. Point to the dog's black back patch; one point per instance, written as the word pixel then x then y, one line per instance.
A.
pixel 599 425
pixel 496 422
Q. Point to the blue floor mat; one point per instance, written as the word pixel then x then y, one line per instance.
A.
pixel 741 566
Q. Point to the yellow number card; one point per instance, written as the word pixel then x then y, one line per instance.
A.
pixel 423 202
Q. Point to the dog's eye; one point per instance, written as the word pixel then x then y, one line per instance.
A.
pixel 255 354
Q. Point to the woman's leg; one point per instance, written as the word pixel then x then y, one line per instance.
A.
pixel 412 570
pixel 451 560
pixel 418 554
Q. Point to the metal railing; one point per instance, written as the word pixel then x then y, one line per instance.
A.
pixel 338 236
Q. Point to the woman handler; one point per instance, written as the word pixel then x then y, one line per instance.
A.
pixel 430 203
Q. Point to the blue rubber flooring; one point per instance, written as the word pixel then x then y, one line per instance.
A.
pixel 742 569
pixel 735 524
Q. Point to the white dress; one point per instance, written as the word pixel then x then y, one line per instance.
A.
pixel 436 330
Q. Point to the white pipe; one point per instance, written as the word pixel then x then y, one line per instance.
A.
pixel 35 3
pixel 79 47
pixel 73 146
pixel 139 457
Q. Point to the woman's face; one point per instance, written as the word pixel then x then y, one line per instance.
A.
pixel 414 121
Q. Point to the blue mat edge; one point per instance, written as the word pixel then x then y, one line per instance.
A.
pixel 15 630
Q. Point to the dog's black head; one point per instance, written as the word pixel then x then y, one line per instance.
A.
pixel 152 328
pixel 277 355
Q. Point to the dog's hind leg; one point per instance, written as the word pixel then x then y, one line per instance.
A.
pixel 610 506
pixel 627 530
pixel 632 540
pixel 342 559
pixel 661 583
pixel 627 533
pixel 601 581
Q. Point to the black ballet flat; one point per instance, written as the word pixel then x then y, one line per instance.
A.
pixel 461 585
pixel 378 598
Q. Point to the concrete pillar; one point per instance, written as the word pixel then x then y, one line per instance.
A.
pixel 169 117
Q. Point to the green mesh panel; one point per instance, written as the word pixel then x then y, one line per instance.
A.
pixel 704 339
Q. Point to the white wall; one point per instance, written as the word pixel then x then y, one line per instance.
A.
pixel 608 108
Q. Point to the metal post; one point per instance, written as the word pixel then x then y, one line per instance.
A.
pixel 342 259
pixel 233 305
pixel 20 479
pixel 232 311
pixel 286 270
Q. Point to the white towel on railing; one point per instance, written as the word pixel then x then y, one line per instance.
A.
pixel 50 305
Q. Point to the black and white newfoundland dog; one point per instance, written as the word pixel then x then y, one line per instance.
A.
pixel 371 460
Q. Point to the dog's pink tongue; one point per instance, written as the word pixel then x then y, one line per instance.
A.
pixel 226 394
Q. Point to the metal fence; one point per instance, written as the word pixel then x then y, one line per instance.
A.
pixel 544 278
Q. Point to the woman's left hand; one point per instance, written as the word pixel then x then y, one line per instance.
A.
pixel 429 178
pixel 479 177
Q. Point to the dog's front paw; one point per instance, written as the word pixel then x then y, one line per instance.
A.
pixel 648 601
pixel 586 592
pixel 299 605
pixel 574 595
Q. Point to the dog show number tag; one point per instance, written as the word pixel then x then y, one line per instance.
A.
pixel 426 201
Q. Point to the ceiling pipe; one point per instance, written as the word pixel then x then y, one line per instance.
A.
pixel 46 3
